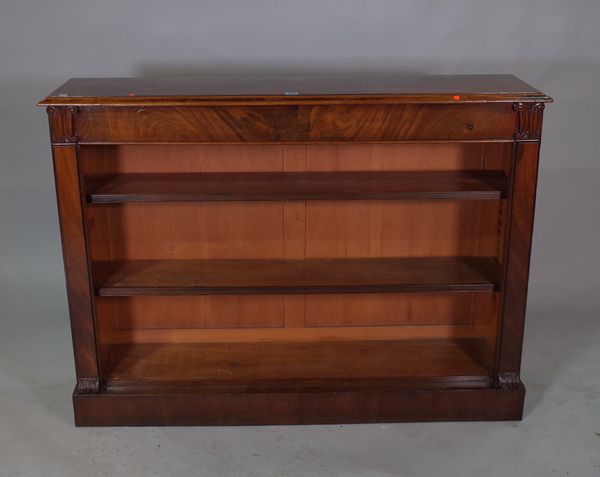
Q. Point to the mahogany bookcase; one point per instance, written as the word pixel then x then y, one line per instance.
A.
pixel 292 250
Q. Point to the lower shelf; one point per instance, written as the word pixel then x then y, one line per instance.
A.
pixel 298 363
pixel 324 382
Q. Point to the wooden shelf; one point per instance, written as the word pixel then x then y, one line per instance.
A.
pixel 175 187
pixel 364 275
pixel 292 362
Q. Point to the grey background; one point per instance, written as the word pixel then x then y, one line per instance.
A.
pixel 552 44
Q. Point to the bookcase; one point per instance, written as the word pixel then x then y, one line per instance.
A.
pixel 296 250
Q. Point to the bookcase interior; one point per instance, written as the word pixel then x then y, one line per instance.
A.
pixel 166 318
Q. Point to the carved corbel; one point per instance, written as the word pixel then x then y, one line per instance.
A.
pixel 529 121
pixel 62 124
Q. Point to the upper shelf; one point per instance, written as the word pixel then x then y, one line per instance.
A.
pixel 115 188
pixel 294 89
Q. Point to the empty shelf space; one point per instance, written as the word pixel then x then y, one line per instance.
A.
pixel 361 275
pixel 178 187
pixel 241 363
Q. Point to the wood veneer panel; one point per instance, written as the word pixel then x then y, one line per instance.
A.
pixel 379 275
pixel 295 124
pixel 189 124
pixel 338 229
pixel 250 311
pixel 319 229
pixel 399 309
pixel 216 158
pixel 188 158
pixel 294 235
pixel 191 312
pixel 409 122
pixel 406 157
pixel 187 230
pixel 247 362
pixel 117 188
pixel 294 333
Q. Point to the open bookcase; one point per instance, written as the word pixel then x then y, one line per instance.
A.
pixel 262 258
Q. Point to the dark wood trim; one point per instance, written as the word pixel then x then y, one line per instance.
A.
pixel 295 101
pixel 77 270
pixel 181 408
pixel 294 89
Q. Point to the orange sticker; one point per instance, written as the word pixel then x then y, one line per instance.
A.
pixel 456 97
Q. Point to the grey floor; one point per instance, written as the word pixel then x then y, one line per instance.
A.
pixel 560 434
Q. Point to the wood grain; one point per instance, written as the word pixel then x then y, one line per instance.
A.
pixel 181 231
pixel 296 124
pixel 243 363
pixel 116 188
pixel 518 253
pixel 321 229
pixel 190 312
pixel 259 89
pixel 290 250
pixel 376 275
pixel 188 124
pixel 409 157
pixel 399 309
pixel 464 401
pixel 295 333
pixel 408 122
pixel 76 262
pixel 338 229
pixel 221 158
pixel 421 314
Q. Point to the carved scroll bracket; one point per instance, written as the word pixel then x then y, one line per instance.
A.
pixel 529 121
pixel 62 124
pixel 508 381
pixel 88 385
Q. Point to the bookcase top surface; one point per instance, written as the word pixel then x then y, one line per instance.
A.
pixel 238 89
